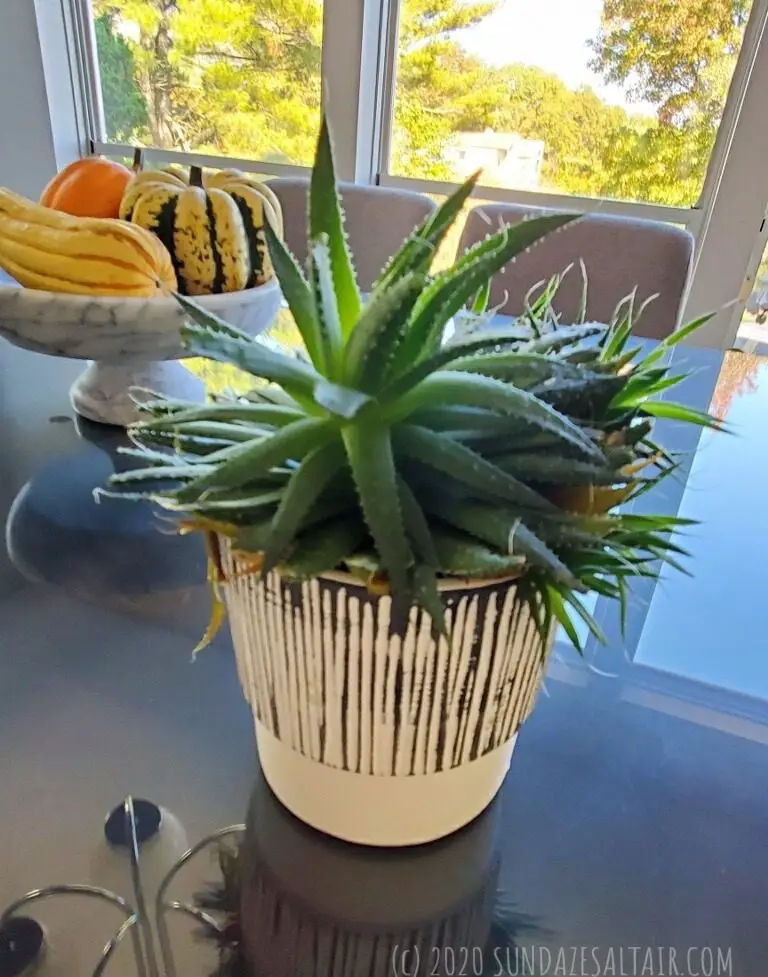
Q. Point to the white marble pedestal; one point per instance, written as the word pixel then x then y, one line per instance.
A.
pixel 102 393
pixel 130 342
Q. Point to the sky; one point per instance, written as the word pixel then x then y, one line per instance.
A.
pixel 552 34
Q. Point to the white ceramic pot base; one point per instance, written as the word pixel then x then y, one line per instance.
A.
pixel 379 810
pixel 102 392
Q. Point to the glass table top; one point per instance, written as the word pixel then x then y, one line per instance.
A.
pixel 723 641
pixel 634 814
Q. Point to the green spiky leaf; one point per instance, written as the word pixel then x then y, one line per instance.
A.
pixel 326 221
pixel 452 289
pixel 325 547
pixel 311 477
pixel 379 331
pixel 250 355
pixel 226 412
pixel 680 412
pixel 465 466
pixel 473 390
pixel 327 310
pixel 417 525
pixel 462 556
pixel 244 462
pixel 369 450
pixel 298 294
pixel 419 249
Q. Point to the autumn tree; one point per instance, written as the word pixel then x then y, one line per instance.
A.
pixel 124 108
pixel 150 42
pixel 227 76
pixel 678 55
pixel 242 78
pixel 433 75
pixel 669 52
pixel 576 126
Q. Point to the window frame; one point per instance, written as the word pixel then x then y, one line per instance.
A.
pixel 359 66
pixel 349 71
pixel 690 217
pixel 717 269
pixel 84 56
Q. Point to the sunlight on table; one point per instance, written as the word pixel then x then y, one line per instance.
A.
pixel 713 626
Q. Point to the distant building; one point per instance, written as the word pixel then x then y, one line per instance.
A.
pixel 506 158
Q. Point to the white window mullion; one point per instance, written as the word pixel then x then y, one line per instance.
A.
pixel 736 204
pixel 688 217
pixel 351 81
pixel 388 51
pixel 84 58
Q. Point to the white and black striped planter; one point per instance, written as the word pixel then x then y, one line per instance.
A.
pixel 376 733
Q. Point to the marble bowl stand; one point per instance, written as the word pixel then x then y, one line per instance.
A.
pixel 102 392
pixel 130 342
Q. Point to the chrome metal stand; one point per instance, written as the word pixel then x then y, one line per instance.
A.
pixel 22 939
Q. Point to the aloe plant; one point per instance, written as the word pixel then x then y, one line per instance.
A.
pixel 405 458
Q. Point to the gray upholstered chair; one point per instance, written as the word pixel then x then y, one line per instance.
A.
pixel 378 220
pixel 618 253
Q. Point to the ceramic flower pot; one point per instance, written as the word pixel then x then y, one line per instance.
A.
pixel 367 728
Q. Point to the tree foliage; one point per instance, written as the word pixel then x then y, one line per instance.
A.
pixel 668 52
pixel 680 56
pixel 125 110
pixel 239 77
pixel 242 78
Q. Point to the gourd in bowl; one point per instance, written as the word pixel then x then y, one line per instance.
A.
pixel 215 237
pixel 50 250
pixel 240 184
pixel 237 183
pixel 102 289
pixel 89 187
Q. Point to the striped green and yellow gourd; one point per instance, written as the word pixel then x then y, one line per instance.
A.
pixel 52 251
pixel 215 238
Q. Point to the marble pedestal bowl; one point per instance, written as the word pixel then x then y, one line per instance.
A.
pixel 130 342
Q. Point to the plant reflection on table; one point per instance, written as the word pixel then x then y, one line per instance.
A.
pixel 294 903
pixel 115 555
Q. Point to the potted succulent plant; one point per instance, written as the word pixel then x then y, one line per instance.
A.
pixel 398 522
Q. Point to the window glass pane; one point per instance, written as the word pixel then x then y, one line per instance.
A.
pixel 753 329
pixel 613 98
pixel 229 77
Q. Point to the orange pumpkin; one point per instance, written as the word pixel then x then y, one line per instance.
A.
pixel 90 187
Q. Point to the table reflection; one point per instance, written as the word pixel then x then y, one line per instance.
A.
pixel 294 903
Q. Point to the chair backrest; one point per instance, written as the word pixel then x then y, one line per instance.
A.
pixel 619 253
pixel 378 220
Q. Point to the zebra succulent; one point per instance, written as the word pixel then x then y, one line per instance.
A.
pixel 405 458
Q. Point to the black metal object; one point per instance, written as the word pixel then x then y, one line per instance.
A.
pixel 128 826
pixel 147 819
pixel 22 943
